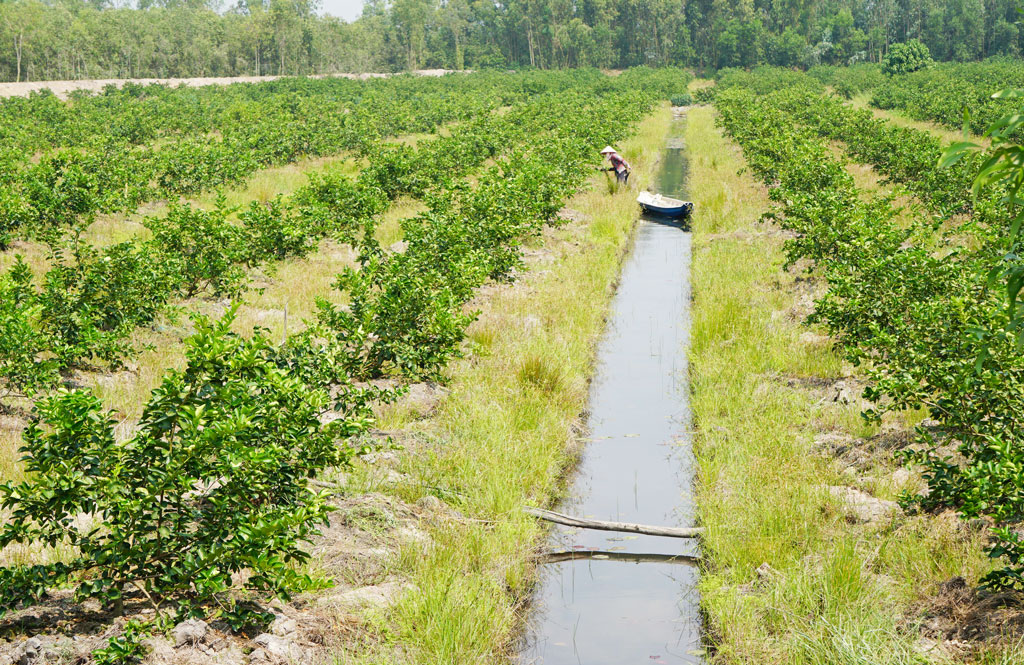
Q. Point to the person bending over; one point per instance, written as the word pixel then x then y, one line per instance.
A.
pixel 619 165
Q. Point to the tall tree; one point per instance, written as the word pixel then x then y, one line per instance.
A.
pixel 21 21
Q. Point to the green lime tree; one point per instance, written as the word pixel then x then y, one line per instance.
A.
pixel 214 482
pixel 907 57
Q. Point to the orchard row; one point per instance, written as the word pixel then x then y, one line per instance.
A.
pixel 64 162
pixel 913 307
pixel 215 480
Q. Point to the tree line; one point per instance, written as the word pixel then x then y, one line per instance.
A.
pixel 71 39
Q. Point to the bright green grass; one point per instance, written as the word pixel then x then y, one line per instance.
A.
pixel 841 592
pixel 504 436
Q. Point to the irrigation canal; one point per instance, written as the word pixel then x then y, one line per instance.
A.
pixel 609 598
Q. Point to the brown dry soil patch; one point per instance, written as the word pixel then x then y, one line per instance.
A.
pixel 957 616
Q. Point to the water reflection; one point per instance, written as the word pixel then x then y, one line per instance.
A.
pixel 607 598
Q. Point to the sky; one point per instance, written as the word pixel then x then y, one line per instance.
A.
pixel 346 9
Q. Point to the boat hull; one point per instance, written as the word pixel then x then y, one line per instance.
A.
pixel 668 211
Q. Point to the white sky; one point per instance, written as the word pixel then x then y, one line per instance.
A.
pixel 346 9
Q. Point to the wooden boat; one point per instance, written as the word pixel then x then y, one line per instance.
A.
pixel 663 205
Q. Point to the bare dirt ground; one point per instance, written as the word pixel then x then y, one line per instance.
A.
pixel 63 88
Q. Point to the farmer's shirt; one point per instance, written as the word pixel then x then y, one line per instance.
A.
pixel 618 163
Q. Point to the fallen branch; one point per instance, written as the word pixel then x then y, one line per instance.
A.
pixel 575 555
pixel 647 530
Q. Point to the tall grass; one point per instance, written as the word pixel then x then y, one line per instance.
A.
pixel 833 591
pixel 504 437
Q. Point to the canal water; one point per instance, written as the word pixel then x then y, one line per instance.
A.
pixel 606 598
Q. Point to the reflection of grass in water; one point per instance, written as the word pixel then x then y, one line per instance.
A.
pixel 672 181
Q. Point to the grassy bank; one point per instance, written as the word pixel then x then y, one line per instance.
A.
pixel 505 434
pixel 798 569
pixel 947 135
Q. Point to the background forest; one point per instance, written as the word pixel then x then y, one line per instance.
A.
pixel 67 39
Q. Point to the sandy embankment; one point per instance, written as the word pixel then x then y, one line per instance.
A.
pixel 62 88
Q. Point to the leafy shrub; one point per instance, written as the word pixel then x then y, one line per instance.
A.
pixel 849 80
pixel 513 200
pixel 206 251
pixel 87 305
pixel 333 204
pixel 69 185
pixel 390 169
pixel 403 317
pixel 683 99
pixel 984 421
pixel 275 230
pixel 91 300
pixel 906 155
pixel 925 324
pixel 14 214
pixel 765 79
pixel 448 157
pixel 194 165
pixel 943 92
pixel 97 151
pixel 845 89
pixel 214 482
pixel 129 646
pixel 907 57
pixel 705 95
pixel 60 188
pixel 23 367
